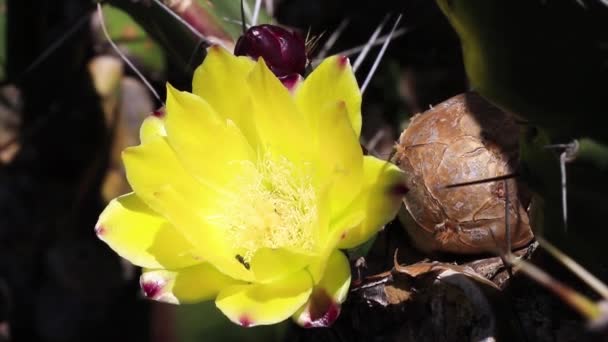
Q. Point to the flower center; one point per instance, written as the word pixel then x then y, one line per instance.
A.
pixel 275 206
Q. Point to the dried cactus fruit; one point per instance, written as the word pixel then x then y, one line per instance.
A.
pixel 460 140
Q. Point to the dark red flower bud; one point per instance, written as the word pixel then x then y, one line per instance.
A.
pixel 283 51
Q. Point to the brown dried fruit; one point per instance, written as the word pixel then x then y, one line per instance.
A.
pixel 460 140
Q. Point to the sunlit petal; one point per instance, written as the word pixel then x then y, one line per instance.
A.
pixel 158 178
pixel 259 304
pixel 332 81
pixel 221 81
pixel 194 131
pixel 323 306
pixel 280 125
pixel 187 285
pixel 152 128
pixel 380 199
pixel 339 157
pixel 143 237
pixel 271 264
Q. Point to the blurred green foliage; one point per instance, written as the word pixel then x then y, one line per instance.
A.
pixel 128 34
pixel 228 14
pixel 204 322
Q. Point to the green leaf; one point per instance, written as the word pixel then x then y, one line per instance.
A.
pixel 228 14
pixel 128 35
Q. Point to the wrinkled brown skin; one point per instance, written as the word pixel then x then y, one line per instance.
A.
pixel 460 140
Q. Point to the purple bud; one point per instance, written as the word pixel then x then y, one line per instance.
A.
pixel 283 51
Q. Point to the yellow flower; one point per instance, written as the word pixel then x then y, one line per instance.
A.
pixel 245 192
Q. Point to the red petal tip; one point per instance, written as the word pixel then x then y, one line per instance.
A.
pixel 152 288
pixel 159 113
pixel 245 321
pixel 100 230
pixel 322 311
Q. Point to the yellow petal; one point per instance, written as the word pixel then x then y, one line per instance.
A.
pixel 339 157
pixel 322 228
pixel 221 81
pixel 280 125
pixel 270 264
pixel 380 199
pixel 259 304
pixel 143 237
pixel 209 147
pixel 157 177
pixel 336 279
pixel 186 285
pixel 323 306
pixel 151 128
pixel 327 242
pixel 332 81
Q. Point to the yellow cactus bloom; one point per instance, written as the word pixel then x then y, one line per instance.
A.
pixel 244 191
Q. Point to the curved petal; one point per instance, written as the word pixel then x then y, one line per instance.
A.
pixel 186 285
pixel 380 199
pixel 322 232
pixel 323 307
pixel 257 304
pixel 157 177
pixel 221 81
pixel 151 128
pixel 194 131
pixel 339 157
pixel 270 264
pixel 280 125
pixel 143 237
pixel 336 279
pixel 329 239
pixel 332 81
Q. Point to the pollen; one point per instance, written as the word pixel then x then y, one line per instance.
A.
pixel 275 206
